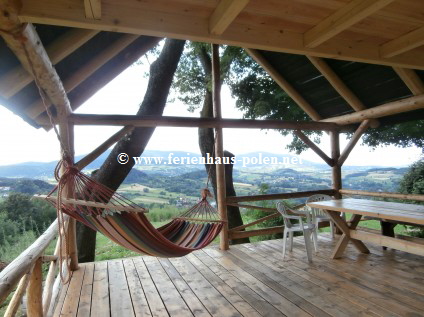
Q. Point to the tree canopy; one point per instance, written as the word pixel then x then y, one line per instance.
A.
pixel 259 97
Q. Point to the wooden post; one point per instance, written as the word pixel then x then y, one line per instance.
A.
pixel 219 148
pixel 336 169
pixel 35 305
pixel 67 138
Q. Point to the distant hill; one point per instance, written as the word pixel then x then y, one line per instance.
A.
pixel 24 185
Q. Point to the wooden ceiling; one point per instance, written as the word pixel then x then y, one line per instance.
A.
pixel 386 32
pixel 88 43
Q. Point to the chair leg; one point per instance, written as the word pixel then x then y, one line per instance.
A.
pixel 291 240
pixel 307 236
pixel 315 238
pixel 284 242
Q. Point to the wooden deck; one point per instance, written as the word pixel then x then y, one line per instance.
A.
pixel 250 280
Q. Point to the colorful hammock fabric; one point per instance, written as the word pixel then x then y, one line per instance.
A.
pixel 125 223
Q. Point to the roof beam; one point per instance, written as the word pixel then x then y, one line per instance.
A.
pixel 150 19
pixel 411 79
pixel 86 70
pixel 18 78
pixel 352 142
pixel 314 147
pixel 93 9
pixel 403 44
pixel 189 122
pixel 353 12
pixel 284 84
pixel 395 107
pixel 339 86
pixel 224 14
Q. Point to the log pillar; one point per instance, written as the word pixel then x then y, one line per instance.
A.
pixel 219 148
pixel 336 168
pixel 34 291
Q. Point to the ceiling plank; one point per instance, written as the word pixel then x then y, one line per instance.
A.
pixel 403 44
pixel 152 20
pixel 353 12
pixel 224 14
pixel 18 78
pixel 395 107
pixel 411 79
pixel 284 84
pixel 93 9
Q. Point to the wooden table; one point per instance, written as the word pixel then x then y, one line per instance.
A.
pixel 409 213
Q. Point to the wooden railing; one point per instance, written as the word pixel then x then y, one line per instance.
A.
pixel 381 194
pixel 241 232
pixel 26 272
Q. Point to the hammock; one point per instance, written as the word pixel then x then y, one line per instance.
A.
pixel 125 223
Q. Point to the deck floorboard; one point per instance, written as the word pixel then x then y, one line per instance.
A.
pixel 250 280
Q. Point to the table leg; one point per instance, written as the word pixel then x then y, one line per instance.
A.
pixel 387 229
pixel 345 238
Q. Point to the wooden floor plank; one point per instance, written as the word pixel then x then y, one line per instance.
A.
pixel 84 305
pixel 350 290
pixel 277 300
pixel 384 284
pixel 155 301
pixel 174 303
pixel 100 305
pixel 250 280
pixel 245 292
pixel 216 304
pixel 70 305
pixel 138 296
pixel 325 303
pixel 243 307
pixel 193 302
pixel 120 299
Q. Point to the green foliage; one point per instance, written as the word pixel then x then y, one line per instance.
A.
pixel 413 183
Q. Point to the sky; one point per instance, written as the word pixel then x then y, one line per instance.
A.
pixel 20 142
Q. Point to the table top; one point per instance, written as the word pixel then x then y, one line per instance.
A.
pixel 378 209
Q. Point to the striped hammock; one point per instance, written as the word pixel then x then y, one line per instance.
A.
pixel 125 223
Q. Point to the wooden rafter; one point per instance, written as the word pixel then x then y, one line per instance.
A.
pixel 337 83
pixel 224 14
pixel 314 147
pixel 411 79
pixel 403 44
pixel 93 9
pixel 154 21
pixel 355 138
pixel 348 15
pixel 284 84
pixel 86 71
pixel 339 86
pixel 404 105
pixel 17 78
pixel 188 122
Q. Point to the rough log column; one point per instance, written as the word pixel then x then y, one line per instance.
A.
pixel 219 150
pixel 25 43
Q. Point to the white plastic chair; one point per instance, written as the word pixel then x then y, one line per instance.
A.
pixel 306 227
pixel 319 215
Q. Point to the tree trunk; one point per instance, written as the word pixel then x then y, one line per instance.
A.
pixel 111 173
pixel 206 144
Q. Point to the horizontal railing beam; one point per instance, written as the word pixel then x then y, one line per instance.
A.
pixel 235 199
pixel 11 275
pixel 381 194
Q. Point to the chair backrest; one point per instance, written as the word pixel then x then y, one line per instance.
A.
pixel 315 198
pixel 283 211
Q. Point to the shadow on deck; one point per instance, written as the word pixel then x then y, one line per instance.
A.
pixel 250 280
